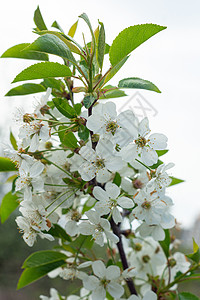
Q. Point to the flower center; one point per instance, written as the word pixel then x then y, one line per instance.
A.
pixel 146 258
pixel 141 142
pixel 104 282
pixel 99 163
pixel 75 216
pixel 146 205
pixel 112 127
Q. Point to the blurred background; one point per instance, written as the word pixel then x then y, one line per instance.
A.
pixel 171 60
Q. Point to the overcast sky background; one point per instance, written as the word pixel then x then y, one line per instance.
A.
pixel 171 60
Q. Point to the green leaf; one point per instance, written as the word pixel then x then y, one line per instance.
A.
pixel 43 70
pixel 57 26
pixel 161 152
pixel 63 106
pixel 41 258
pixel 187 296
pixel 77 108
pixel 26 89
pixel 6 165
pixel 68 139
pixel 52 44
pixel 113 93
pixel 32 274
pixel 137 83
pixel 175 180
pixel 52 83
pixel 195 256
pixel 13 141
pixel 59 232
pixel 8 205
pixel 129 39
pixel 115 69
pixel 83 132
pixel 72 30
pixel 20 51
pixel 86 19
pixel 101 45
pixel 166 243
pixel 88 101
pixel 83 242
pixel 38 20
pixel 159 162
pixel 117 179
pixel 63 38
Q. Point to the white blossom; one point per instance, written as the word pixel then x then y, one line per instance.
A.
pixel 109 200
pixel 97 227
pixel 99 162
pixel 104 279
pixel 144 147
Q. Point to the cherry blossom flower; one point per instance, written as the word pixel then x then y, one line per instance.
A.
pixel 105 122
pixel 97 227
pixel 104 279
pixel 98 163
pixel 109 201
pixel 144 147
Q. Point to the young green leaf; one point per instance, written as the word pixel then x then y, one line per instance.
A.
pixel 13 141
pixel 52 44
pixel 101 45
pixel 88 101
pixel 6 165
pixel 117 179
pixel 32 274
pixel 63 106
pixel 26 89
pixel 38 20
pixel 21 51
pixel 129 39
pixel 43 70
pixel 63 38
pixel 57 26
pixel 68 139
pixel 166 243
pixel 86 19
pixel 52 83
pixel 8 205
pixel 161 152
pixel 195 256
pixel 72 29
pixel 187 296
pixel 175 180
pixel 41 258
pixel 110 91
pixel 114 70
pixel 83 132
pixel 138 83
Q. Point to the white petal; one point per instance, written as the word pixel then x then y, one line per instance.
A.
pixel 102 207
pixel 150 296
pixel 116 215
pixel 115 289
pixel 109 110
pixel 86 228
pixel 114 163
pixel 99 268
pixel 36 169
pixel 112 190
pixel 112 237
pixel 90 282
pixel 99 193
pixel 143 127
pixel 125 202
pixel 149 156
pixel 71 228
pixel 34 143
pixel 99 293
pixel 112 272
pixel 103 175
pixel 158 141
pixel 93 216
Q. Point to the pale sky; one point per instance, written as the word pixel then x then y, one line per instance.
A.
pixel 171 60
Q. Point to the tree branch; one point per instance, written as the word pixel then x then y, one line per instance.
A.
pixel 116 231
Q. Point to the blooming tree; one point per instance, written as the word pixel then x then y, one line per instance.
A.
pixel 90 177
